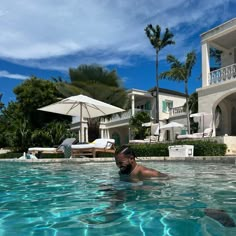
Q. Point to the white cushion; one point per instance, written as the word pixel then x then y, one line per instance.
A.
pixel 42 149
pixel 97 143
pixel 82 146
pixel 102 143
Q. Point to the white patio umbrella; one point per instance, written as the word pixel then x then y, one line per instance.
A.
pixel 82 106
pixel 171 126
pixel 202 116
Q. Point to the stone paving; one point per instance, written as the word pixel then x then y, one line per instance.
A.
pixel 213 159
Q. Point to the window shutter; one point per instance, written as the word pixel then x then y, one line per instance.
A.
pixel 148 106
pixel 163 106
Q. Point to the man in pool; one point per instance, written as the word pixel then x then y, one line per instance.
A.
pixel 125 161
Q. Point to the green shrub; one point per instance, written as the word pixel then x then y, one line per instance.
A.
pixel 10 155
pixel 201 148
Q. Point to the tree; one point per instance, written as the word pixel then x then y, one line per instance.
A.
pixel 20 121
pixel 1 104
pixel 158 42
pixel 181 72
pixel 193 108
pixel 33 94
pixel 136 122
pixel 98 83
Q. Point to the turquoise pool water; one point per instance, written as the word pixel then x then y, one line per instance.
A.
pixel 73 199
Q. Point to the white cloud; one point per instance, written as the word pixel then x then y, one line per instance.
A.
pixel 6 74
pixel 104 32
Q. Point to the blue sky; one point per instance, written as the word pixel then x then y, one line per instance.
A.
pixel 45 38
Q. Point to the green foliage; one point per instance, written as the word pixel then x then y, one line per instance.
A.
pixel 22 125
pixel 96 82
pixel 10 155
pixel 201 148
pixel 193 107
pixel 148 150
pixel 159 42
pixel 1 104
pixel 33 94
pixel 181 71
pixel 206 147
pixel 136 122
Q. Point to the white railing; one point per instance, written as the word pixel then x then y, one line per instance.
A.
pixel 222 74
pixel 123 115
pixel 177 111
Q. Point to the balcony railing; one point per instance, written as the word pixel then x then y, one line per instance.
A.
pixel 123 116
pixel 177 111
pixel 222 74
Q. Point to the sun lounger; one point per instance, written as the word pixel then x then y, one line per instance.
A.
pixel 50 150
pixel 207 133
pixel 98 145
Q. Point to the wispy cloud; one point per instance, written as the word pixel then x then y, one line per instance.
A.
pixel 6 74
pixel 59 35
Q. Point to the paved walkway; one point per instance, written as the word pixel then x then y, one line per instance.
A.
pixel 213 159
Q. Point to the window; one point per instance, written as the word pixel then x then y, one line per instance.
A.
pixel 166 105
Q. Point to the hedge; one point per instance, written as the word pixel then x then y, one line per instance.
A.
pixel 201 148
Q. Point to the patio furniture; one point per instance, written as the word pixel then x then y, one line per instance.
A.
pixel 207 133
pixel 51 150
pixel 98 145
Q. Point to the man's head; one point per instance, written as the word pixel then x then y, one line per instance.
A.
pixel 125 160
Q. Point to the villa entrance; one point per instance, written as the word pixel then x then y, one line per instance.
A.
pixel 225 116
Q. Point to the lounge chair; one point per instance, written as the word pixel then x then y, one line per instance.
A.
pixel 153 138
pixel 98 145
pixel 207 133
pixel 50 150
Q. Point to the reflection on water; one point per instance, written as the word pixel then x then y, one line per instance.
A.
pixel 65 199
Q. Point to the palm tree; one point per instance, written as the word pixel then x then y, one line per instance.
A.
pixel 181 72
pixel 158 42
pixel 1 104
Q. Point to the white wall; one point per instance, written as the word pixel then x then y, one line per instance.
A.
pixel 177 102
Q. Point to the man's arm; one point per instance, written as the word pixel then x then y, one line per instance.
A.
pixel 148 173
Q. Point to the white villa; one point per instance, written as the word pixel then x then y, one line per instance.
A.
pixel 117 126
pixel 216 96
pixel 218 92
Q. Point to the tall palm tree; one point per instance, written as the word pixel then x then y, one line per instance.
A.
pixel 181 72
pixel 158 41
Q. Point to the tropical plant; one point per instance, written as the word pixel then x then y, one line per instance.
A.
pixel 20 119
pixel 136 122
pixel 181 72
pixel 159 42
pixel 98 83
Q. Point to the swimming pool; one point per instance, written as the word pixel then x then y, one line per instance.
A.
pixel 88 199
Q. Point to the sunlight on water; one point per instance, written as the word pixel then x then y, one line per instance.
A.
pixel 73 199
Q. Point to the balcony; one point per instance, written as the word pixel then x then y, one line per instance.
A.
pixel 223 74
pixel 175 111
pixel 122 116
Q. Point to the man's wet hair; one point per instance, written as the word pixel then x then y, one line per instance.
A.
pixel 126 150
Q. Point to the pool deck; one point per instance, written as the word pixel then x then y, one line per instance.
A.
pixel 82 160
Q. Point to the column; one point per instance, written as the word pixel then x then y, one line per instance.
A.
pixel 132 104
pixel 205 64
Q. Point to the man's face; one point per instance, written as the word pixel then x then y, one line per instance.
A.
pixel 124 163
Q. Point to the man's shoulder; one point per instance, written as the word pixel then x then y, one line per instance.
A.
pixel 149 172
